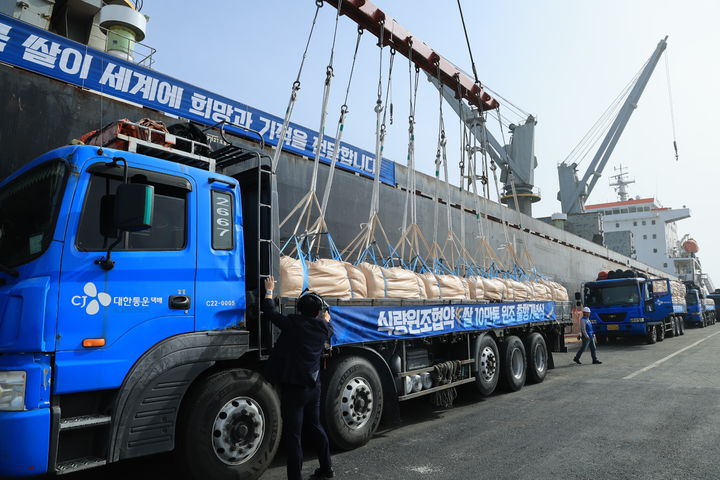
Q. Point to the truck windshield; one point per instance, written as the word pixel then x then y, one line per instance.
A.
pixel 30 205
pixel 691 299
pixel 596 296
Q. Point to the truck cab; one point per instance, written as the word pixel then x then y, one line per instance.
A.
pixel 91 304
pixel 700 309
pixel 632 307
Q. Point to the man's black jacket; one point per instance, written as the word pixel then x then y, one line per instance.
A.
pixel 295 357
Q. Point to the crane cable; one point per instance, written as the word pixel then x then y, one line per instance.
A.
pixel 580 152
pixel 340 129
pixel 294 91
pixel 672 109
pixel 440 156
pixel 467 40
pixel 329 73
pixel 306 204
pixel 411 178
pixel 364 242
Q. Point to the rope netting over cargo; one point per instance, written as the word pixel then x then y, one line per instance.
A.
pixel 407 262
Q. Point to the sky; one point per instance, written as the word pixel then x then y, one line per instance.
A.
pixel 564 61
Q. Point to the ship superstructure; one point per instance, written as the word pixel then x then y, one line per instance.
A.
pixel 644 229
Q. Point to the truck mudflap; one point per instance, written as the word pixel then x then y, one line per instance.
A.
pixel 149 400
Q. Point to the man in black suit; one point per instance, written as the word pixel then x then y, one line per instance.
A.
pixel 295 366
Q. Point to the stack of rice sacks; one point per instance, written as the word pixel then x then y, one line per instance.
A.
pixel 678 292
pixel 337 279
pixel 445 286
pixel 327 278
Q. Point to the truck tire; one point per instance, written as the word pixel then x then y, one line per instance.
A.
pixel 352 402
pixel 230 427
pixel 651 335
pixel 660 331
pixel 681 325
pixel 487 365
pixel 537 357
pixel 513 364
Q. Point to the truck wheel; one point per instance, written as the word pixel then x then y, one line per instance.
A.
pixel 537 357
pixel 487 367
pixel 651 335
pixel 681 325
pixel 660 332
pixel 512 364
pixel 352 402
pixel 230 427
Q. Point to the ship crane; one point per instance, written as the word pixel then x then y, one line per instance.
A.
pixel 516 160
pixel 573 191
pixel 369 17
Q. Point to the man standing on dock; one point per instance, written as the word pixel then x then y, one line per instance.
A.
pixel 295 366
pixel 588 338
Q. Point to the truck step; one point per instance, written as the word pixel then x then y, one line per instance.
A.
pixel 84 421
pixel 78 464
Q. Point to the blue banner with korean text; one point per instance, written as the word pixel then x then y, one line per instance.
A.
pixel 354 324
pixel 37 50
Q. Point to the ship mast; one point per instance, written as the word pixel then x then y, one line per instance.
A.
pixel 620 183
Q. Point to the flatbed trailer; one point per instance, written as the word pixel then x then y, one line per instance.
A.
pixel 129 320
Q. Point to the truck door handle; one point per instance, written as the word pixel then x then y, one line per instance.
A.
pixel 179 302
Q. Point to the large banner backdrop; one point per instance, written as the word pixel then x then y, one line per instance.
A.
pixel 37 50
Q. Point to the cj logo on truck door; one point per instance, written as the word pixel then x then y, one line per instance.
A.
pixel 92 299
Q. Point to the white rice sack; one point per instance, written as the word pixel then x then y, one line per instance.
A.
pixel 328 278
pixel 291 277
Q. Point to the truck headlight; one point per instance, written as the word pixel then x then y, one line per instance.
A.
pixel 637 320
pixel 12 390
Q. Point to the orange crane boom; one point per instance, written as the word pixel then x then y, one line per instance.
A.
pixel 371 18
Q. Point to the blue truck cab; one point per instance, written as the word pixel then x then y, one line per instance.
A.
pixel 700 308
pixel 79 338
pixel 633 307
pixel 715 297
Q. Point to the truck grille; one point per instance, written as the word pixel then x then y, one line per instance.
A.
pixel 612 317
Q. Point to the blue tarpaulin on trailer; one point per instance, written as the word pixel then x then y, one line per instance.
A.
pixel 357 324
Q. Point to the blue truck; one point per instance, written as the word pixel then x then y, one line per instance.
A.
pixel 700 308
pixel 129 321
pixel 634 306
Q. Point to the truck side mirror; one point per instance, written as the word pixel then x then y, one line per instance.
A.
pixel 107 217
pixel 130 211
pixel 134 204
pixel 578 296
